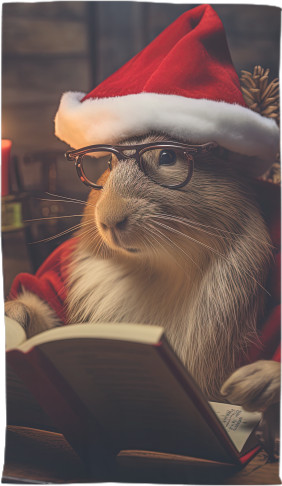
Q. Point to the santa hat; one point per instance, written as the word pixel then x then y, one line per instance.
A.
pixel 182 84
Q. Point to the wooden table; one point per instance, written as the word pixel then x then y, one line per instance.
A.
pixel 40 457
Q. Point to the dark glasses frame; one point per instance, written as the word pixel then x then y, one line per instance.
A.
pixel 120 152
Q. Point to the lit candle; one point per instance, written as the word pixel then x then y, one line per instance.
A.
pixel 6 150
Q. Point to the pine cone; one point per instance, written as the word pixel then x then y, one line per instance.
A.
pixel 261 95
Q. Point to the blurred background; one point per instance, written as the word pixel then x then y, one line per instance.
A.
pixel 52 47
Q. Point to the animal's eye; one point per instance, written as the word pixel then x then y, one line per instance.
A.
pixel 167 157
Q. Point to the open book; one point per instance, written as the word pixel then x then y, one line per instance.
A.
pixel 120 387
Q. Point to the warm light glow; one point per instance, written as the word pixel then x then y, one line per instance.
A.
pixel 5 152
pixel 6 144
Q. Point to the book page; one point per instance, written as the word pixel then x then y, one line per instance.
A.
pixel 139 333
pixel 135 397
pixel 238 423
pixel 14 333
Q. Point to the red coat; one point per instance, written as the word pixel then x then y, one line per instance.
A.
pixel 49 282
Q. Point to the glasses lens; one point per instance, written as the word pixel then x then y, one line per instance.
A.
pixel 94 164
pixel 166 166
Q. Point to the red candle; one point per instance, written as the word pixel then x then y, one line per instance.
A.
pixel 6 150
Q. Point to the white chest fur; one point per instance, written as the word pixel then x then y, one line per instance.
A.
pixel 104 291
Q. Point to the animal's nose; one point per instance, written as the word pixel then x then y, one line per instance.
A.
pixel 111 224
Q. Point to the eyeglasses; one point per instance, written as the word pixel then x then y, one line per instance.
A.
pixel 169 164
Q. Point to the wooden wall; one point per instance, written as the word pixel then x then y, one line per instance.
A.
pixel 45 49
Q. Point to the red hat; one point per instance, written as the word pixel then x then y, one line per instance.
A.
pixel 182 84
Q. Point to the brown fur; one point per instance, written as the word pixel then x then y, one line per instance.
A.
pixel 200 269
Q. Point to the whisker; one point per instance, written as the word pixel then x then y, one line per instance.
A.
pixel 53 217
pixel 190 224
pixel 91 231
pixel 198 225
pixel 103 249
pixel 101 243
pixel 214 251
pixel 62 200
pixel 154 236
pixel 93 228
pixel 67 198
pixel 50 238
pixel 148 246
pixel 181 249
pixel 69 230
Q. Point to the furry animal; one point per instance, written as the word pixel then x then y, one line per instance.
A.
pixel 194 260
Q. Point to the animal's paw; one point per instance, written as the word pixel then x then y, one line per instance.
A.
pixel 255 386
pixel 18 311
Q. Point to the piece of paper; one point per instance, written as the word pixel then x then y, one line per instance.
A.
pixel 238 423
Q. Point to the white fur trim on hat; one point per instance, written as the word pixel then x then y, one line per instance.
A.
pixel 109 120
